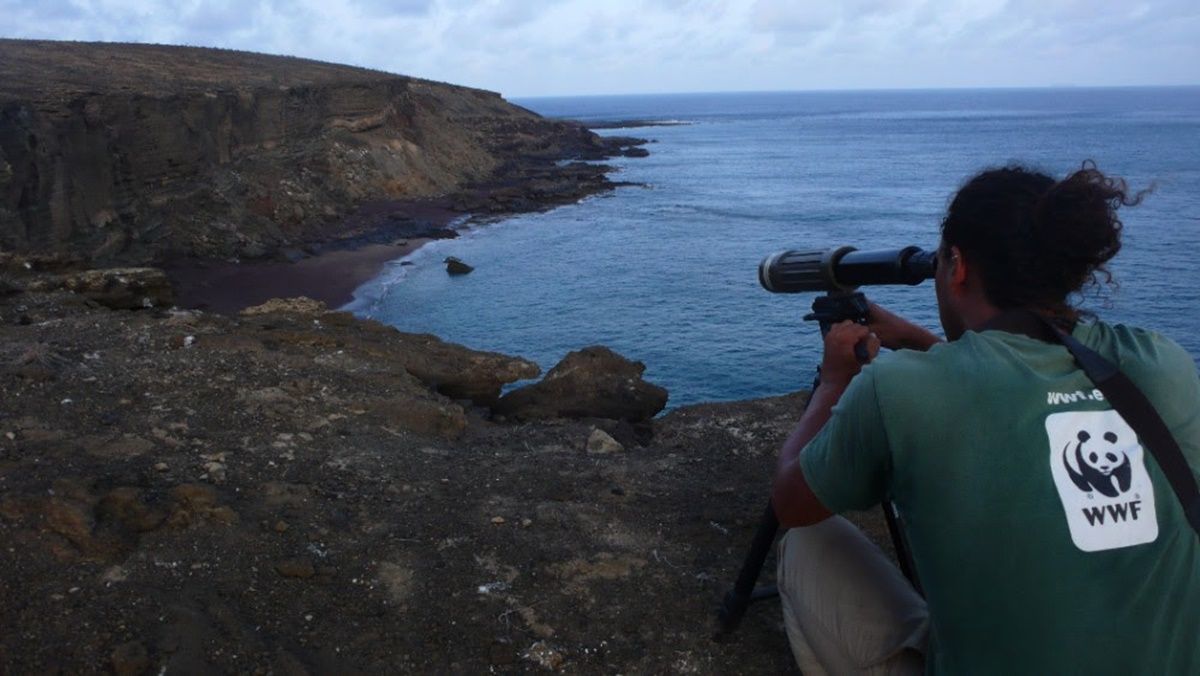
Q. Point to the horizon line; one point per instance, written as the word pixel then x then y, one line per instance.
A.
pixel 859 90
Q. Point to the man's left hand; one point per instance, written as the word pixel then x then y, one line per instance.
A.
pixel 840 363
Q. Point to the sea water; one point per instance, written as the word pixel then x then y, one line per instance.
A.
pixel 664 271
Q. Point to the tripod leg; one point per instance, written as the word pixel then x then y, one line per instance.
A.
pixel 743 593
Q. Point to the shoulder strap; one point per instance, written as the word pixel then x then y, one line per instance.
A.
pixel 1137 410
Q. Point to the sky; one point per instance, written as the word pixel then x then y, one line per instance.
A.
pixel 524 48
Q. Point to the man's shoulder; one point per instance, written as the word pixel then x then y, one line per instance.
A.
pixel 1132 347
pixel 942 356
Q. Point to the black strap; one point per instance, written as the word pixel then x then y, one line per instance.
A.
pixel 1136 409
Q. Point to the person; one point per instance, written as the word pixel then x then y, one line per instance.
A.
pixel 1043 536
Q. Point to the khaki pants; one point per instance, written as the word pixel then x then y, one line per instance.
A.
pixel 847 608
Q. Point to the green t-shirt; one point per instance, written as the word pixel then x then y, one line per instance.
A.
pixel 1046 540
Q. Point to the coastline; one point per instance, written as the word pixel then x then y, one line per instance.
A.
pixel 331 277
pixel 355 249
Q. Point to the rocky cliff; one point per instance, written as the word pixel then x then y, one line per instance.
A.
pixel 133 153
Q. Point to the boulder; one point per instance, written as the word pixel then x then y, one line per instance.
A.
pixel 122 288
pixel 594 382
pixel 455 266
pixel 601 443
pixel 456 371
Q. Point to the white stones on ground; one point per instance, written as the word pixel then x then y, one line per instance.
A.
pixel 285 443
pixel 493 587
pixel 601 443
pixel 214 466
pixel 543 655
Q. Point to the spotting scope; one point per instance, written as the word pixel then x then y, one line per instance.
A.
pixel 844 268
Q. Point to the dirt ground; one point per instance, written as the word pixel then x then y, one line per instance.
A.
pixel 182 492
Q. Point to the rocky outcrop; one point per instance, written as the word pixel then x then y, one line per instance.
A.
pixel 131 153
pixel 116 288
pixel 594 382
pixel 456 266
pixel 447 369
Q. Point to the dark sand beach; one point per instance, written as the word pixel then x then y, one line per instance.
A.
pixel 331 277
pixel 385 230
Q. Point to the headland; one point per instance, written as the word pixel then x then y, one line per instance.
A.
pixel 291 489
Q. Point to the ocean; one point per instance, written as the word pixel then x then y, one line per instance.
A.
pixel 665 271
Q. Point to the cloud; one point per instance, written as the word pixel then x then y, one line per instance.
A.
pixel 582 46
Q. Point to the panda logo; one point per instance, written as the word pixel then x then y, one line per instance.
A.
pixel 1098 468
pixel 1103 465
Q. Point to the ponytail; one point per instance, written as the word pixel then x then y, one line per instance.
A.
pixel 1037 241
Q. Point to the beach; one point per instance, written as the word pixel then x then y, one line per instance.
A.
pixel 226 287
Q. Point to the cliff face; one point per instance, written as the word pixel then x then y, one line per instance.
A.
pixel 135 152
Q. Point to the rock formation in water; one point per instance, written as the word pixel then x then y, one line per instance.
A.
pixel 133 153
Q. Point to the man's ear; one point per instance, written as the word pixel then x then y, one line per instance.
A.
pixel 958 267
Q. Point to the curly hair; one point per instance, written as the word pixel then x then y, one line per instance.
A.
pixel 1035 240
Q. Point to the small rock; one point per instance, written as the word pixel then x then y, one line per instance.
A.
pixel 497 520
pixel 161 467
pixel 216 471
pixel 526 523
pixel 601 443
pixel 281 526
pixel 455 266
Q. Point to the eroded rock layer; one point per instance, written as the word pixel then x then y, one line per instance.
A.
pixel 130 153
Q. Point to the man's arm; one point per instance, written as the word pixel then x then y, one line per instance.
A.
pixel 897 333
pixel 794 502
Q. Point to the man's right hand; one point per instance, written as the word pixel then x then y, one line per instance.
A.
pixel 897 333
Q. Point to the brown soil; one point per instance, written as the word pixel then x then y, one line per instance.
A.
pixel 200 494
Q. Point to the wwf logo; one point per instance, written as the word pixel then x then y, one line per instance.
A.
pixel 1101 465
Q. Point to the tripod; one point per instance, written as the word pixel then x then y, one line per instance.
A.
pixel 827 310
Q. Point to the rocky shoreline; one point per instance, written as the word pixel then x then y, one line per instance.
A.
pixel 330 267
pixel 286 489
